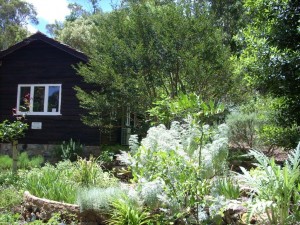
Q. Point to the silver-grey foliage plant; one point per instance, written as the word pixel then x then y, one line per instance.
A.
pixel 169 164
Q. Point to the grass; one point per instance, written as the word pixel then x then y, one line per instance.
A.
pixel 5 162
pixel 24 162
pixel 52 182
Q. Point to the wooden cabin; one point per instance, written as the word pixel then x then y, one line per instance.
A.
pixel 42 68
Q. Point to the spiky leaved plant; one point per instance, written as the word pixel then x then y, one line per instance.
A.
pixel 274 189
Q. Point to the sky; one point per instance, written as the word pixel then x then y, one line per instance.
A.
pixel 50 10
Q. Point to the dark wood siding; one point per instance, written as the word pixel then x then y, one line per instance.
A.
pixel 42 63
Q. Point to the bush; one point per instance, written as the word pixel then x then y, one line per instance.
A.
pixel 242 129
pixel 24 162
pixel 7 178
pixel 272 135
pixel 261 124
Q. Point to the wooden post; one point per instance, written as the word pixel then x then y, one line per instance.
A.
pixel 15 156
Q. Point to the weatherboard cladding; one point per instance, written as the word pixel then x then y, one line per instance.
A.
pixel 42 60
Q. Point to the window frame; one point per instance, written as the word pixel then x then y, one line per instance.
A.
pixel 46 98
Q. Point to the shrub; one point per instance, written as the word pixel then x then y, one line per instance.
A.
pixel 36 161
pixel 261 124
pixel 273 135
pixel 24 162
pixel 242 129
pixel 179 161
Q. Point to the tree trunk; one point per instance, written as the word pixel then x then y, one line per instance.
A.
pixel 15 154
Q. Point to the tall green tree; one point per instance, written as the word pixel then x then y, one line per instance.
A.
pixel 14 16
pixel 231 17
pixel 270 59
pixel 147 50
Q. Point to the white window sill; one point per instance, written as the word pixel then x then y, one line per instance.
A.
pixel 38 114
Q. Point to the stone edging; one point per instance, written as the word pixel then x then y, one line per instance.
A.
pixel 46 207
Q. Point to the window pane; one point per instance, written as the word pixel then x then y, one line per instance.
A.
pixel 53 98
pixel 24 99
pixel 38 100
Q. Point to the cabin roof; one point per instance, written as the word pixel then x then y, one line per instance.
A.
pixel 42 37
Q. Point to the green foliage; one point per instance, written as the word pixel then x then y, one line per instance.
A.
pixel 53 182
pixel 25 163
pixel 106 157
pixel 176 109
pixel 127 211
pixel 5 162
pixel 9 197
pixel 259 123
pixel 243 129
pixel 273 187
pixel 147 50
pixel 9 218
pixel 70 150
pixel 109 151
pixel 8 178
pixel 61 182
pixel 10 131
pixel 227 187
pixel 269 59
pixel 15 15
pixel 90 174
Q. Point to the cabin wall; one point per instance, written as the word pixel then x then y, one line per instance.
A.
pixel 41 63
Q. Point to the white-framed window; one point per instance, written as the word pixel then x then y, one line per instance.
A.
pixel 39 99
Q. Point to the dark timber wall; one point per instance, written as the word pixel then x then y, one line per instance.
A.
pixel 42 63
